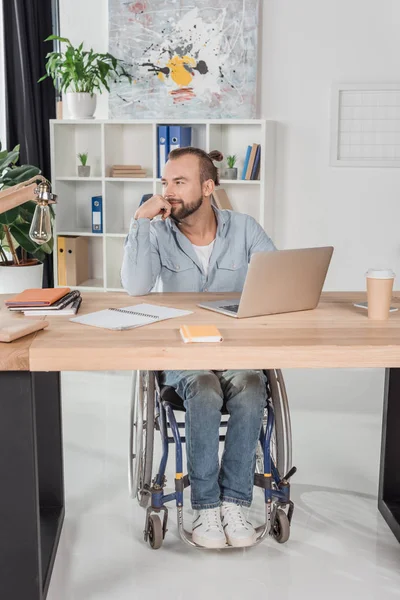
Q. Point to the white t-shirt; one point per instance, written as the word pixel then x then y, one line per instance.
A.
pixel 204 253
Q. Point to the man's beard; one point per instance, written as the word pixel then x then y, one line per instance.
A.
pixel 182 212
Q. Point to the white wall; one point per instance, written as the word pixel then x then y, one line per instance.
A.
pixel 86 21
pixel 307 45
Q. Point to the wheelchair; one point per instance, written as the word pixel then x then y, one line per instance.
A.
pixel 153 408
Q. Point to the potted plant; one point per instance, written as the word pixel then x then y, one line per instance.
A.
pixel 19 272
pixel 83 168
pixel 79 73
pixel 231 171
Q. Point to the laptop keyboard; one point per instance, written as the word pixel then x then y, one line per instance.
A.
pixel 231 307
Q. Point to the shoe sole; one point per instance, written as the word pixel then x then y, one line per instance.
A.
pixel 206 543
pixel 243 543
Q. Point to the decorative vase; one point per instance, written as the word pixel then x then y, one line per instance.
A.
pixel 84 171
pixel 231 173
pixel 17 278
pixel 81 105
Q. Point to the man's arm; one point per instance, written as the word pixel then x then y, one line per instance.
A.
pixel 259 240
pixel 141 263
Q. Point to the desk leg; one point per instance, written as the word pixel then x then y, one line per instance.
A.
pixel 389 475
pixel 31 482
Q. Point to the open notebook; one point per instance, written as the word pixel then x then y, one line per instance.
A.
pixel 130 316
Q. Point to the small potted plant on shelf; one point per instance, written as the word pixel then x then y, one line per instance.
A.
pixel 17 271
pixel 83 168
pixel 231 171
pixel 80 73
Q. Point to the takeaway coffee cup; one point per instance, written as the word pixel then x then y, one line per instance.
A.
pixel 379 293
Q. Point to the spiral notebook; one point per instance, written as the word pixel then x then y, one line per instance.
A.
pixel 129 317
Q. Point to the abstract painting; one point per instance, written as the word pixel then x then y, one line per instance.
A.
pixel 187 59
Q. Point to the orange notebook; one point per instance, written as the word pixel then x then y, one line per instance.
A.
pixel 37 297
pixel 200 333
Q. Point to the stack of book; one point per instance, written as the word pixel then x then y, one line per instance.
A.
pixel 251 167
pixel 50 301
pixel 128 171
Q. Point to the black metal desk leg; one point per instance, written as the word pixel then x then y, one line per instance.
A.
pixel 389 474
pixel 31 482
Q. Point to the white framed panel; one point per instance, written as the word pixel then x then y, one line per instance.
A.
pixel 365 125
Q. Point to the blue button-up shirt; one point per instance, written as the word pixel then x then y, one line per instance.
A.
pixel 159 257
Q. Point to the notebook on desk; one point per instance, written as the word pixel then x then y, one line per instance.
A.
pixel 129 317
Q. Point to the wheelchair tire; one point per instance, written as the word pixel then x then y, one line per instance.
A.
pixel 142 437
pixel 282 434
pixel 281 527
pixel 155 532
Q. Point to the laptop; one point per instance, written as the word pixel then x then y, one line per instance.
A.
pixel 279 282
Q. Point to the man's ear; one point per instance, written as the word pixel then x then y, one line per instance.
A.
pixel 208 187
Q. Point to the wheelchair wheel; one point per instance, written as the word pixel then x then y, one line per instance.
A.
pixel 281 439
pixel 155 532
pixel 281 527
pixel 141 436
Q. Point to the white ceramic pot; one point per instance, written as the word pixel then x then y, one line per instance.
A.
pixel 15 279
pixel 81 105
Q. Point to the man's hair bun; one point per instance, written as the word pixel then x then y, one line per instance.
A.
pixel 216 155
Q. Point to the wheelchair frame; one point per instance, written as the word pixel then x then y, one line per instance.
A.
pixel 149 411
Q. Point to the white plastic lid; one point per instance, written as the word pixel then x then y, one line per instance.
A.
pixel 380 274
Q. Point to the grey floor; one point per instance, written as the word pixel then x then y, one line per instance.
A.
pixel 340 547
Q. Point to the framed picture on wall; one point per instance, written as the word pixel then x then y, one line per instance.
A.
pixel 186 59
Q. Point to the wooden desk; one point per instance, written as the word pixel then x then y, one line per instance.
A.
pixel 336 334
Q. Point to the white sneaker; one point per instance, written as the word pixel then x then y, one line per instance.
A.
pixel 207 528
pixel 238 531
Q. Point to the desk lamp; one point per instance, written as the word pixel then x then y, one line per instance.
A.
pixel 40 231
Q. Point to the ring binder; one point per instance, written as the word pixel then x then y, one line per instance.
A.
pixel 135 312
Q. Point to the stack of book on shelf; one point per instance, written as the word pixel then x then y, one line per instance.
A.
pixel 50 301
pixel 251 167
pixel 132 171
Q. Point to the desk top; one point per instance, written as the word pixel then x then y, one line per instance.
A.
pixel 336 334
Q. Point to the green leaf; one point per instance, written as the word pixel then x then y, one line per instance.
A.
pixel 21 234
pixel 57 37
pixel 8 217
pixel 20 174
pixel 10 159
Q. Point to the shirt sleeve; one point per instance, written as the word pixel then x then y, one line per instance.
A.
pixel 259 241
pixel 141 265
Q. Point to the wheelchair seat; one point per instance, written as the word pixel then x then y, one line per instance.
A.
pixel 168 394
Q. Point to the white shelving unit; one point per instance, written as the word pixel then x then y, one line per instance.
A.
pixel 135 142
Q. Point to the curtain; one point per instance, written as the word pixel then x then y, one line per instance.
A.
pixel 29 105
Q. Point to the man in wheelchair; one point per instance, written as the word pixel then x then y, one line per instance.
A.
pixel 195 247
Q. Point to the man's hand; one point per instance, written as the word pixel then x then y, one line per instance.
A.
pixel 156 205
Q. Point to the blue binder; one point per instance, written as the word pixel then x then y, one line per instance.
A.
pixel 256 167
pixel 162 148
pixel 97 214
pixel 179 137
pixel 246 162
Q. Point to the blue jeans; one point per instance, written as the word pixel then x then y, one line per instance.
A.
pixel 204 393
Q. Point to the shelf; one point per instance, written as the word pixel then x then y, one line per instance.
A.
pixel 79 232
pixel 84 179
pixel 135 142
pixel 130 179
pixel 240 181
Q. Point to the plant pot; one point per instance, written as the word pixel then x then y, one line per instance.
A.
pixel 17 278
pixel 231 173
pixel 81 105
pixel 84 171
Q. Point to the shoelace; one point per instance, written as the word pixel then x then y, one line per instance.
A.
pixel 235 516
pixel 211 519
